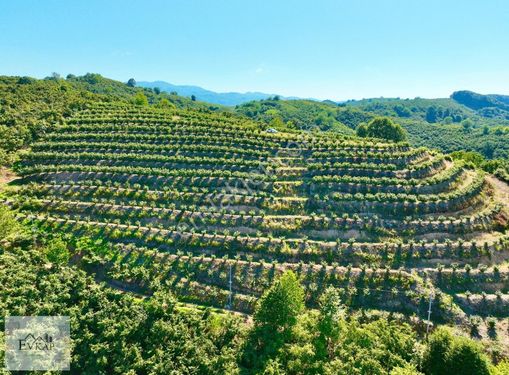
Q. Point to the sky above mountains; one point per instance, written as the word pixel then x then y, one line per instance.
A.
pixel 333 49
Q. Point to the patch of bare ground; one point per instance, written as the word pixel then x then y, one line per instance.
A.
pixel 6 176
pixel 500 190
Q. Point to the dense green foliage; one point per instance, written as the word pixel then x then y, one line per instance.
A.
pixel 447 354
pixel 179 196
pixel 487 105
pixel 120 333
pixel 448 138
pixel 114 333
pixel 444 111
pixel 302 114
pixel 383 128
pixel 446 124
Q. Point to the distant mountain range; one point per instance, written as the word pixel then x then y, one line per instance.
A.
pixel 222 98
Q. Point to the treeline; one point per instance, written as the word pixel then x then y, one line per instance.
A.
pixel 303 114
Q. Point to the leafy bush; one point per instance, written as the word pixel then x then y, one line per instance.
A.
pixel 447 354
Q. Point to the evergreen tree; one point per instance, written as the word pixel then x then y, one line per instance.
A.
pixel 431 115
pixel 362 130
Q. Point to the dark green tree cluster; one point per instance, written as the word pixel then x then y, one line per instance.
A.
pixel 383 128
pixel 286 338
pixel 446 354
pixel 303 114
pixel 499 167
pixel 467 136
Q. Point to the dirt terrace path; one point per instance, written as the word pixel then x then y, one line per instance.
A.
pixel 500 190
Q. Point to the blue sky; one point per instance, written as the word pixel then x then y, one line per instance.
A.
pixel 323 49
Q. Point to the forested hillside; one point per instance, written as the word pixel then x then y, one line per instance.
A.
pixel 444 124
pixel 30 107
pixel 496 106
pixel 303 114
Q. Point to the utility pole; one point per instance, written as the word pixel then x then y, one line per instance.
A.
pixel 429 312
pixel 230 284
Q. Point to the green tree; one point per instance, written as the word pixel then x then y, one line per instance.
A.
pixel 277 123
pixel 331 313
pixel 488 150
pixel 131 82
pixel 402 111
pixel 436 352
pixel 431 115
pixel 467 125
pixel 279 307
pixel 8 224
pixel 140 99
pixel 447 354
pixel 274 318
pixel 447 120
pixel 469 156
pixel 25 80
pixel 385 128
pixel 466 357
pixel 491 166
pixel 362 130
pixel 57 252
pixel 165 103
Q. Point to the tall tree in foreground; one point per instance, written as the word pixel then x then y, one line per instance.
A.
pixel 274 318
pixel 331 313
pixel 280 306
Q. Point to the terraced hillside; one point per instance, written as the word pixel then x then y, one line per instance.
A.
pixel 202 204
